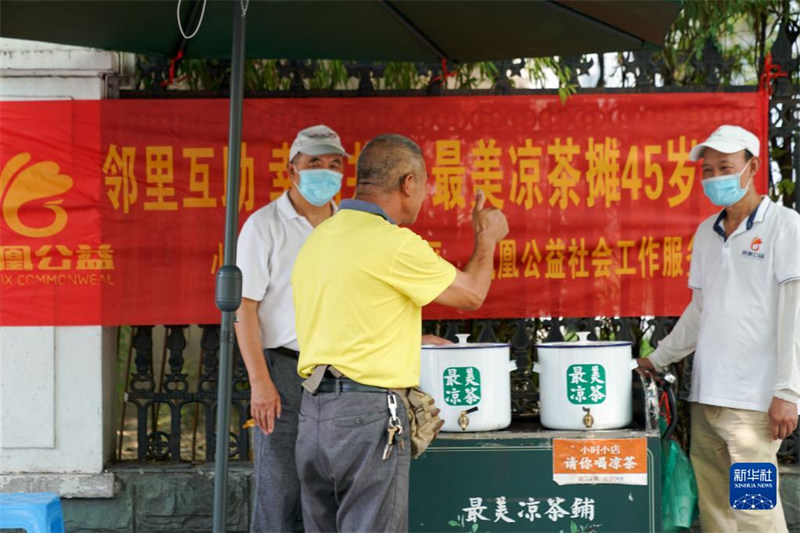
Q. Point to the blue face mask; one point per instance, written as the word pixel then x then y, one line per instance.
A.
pixel 319 185
pixel 725 190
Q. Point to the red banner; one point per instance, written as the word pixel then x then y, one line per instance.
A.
pixel 113 211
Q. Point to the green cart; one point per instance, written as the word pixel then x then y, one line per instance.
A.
pixel 506 481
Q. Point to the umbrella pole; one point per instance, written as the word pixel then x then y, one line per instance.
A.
pixel 229 277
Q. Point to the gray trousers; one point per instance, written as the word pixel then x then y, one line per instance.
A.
pixel 346 486
pixel 276 502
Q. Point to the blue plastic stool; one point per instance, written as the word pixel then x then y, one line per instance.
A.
pixel 35 512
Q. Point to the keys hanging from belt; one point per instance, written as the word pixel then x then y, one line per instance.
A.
pixel 394 431
pixel 394 421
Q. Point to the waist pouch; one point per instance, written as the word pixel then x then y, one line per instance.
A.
pixel 423 418
pixel 423 415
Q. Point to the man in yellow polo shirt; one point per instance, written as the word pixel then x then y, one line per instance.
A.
pixel 359 284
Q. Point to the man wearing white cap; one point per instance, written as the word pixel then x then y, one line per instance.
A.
pixel 743 324
pixel 265 328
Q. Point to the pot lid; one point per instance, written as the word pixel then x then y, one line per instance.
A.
pixel 583 344
pixel 465 346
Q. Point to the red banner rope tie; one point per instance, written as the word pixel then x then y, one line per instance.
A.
pixel 442 78
pixel 771 71
pixel 168 82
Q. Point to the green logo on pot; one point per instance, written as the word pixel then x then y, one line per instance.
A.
pixel 462 385
pixel 586 384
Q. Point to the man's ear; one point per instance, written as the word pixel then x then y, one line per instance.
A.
pixel 407 183
pixel 755 163
pixel 290 171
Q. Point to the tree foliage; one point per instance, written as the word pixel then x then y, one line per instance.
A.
pixel 737 33
pixel 741 31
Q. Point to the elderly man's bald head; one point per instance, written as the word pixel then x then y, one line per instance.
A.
pixel 385 160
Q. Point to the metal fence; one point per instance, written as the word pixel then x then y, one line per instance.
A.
pixel 173 396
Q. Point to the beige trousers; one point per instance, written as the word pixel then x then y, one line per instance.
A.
pixel 722 436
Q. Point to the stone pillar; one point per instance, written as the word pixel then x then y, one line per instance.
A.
pixel 31 70
pixel 57 384
pixel 56 398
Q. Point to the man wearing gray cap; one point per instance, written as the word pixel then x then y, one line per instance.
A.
pixel 268 245
pixel 743 323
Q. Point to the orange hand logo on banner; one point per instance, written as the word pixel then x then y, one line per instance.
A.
pixel 40 181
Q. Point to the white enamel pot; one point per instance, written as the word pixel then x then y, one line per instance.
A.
pixel 470 384
pixel 585 384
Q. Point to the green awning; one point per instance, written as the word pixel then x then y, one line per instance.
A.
pixel 414 30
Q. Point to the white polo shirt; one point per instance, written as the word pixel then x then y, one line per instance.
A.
pixel 735 362
pixel 267 248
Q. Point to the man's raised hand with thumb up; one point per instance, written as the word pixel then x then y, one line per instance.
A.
pixel 488 221
pixel 469 289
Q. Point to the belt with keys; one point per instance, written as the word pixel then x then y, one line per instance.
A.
pixel 395 429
